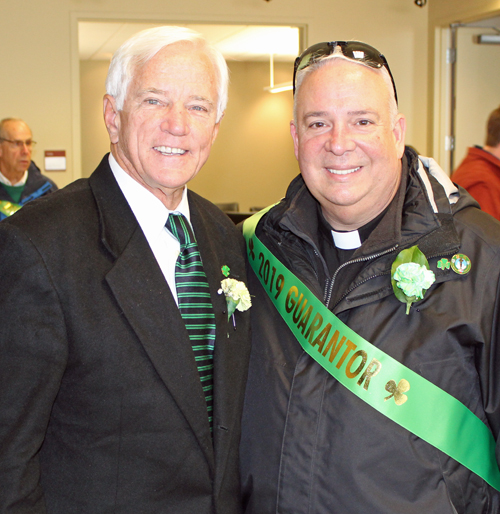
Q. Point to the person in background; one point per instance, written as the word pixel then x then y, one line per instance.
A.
pixel 20 178
pixel 479 172
pixel 121 376
pixel 373 381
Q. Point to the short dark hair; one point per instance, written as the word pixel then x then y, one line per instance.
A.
pixel 493 128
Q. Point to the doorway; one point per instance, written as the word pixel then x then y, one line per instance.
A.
pixel 468 82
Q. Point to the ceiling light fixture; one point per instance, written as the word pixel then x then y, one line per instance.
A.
pixel 488 39
pixel 276 88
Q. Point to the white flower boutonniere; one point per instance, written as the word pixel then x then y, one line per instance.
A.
pixel 411 276
pixel 237 294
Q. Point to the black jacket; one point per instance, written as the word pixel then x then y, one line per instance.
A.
pixel 101 405
pixel 310 446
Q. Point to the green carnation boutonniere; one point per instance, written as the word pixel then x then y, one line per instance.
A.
pixel 411 276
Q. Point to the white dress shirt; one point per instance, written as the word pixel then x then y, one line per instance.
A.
pixel 152 215
pixel 7 182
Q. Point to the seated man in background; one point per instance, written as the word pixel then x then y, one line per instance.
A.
pixel 479 172
pixel 373 382
pixel 20 178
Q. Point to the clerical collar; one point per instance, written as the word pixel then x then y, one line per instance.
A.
pixel 347 240
pixel 353 239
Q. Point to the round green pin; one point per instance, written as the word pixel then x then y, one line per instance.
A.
pixel 460 264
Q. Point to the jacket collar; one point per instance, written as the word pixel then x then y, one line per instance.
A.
pixel 116 219
pixel 422 205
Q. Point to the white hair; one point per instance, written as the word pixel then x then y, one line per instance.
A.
pixel 393 106
pixel 144 45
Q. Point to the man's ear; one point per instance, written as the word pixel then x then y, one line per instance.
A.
pixel 216 128
pixel 295 137
pixel 399 132
pixel 111 118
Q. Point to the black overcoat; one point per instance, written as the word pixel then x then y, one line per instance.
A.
pixel 101 406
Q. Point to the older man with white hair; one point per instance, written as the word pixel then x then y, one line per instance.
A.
pixel 121 376
pixel 373 380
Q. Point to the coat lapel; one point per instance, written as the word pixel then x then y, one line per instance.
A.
pixel 218 248
pixel 142 293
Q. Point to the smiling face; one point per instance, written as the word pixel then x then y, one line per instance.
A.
pixel 348 147
pixel 166 129
pixel 15 160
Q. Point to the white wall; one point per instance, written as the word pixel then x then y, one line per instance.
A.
pixel 40 70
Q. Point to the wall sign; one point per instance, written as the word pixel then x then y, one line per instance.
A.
pixel 55 160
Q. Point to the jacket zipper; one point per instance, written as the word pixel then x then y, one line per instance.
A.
pixel 329 284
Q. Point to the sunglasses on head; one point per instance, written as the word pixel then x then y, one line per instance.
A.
pixel 354 50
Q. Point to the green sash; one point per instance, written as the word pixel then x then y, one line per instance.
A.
pixel 8 208
pixel 381 381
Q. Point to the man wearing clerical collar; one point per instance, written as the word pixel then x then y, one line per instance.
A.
pixel 376 303
pixel 20 179
pixel 121 376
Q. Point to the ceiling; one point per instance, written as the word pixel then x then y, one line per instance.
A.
pixel 99 40
pixel 492 23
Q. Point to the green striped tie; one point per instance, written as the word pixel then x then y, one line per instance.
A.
pixel 195 306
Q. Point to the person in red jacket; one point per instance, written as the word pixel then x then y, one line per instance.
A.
pixel 479 172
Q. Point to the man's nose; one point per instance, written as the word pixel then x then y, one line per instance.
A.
pixel 25 148
pixel 176 122
pixel 340 140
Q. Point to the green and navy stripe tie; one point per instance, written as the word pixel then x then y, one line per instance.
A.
pixel 195 305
